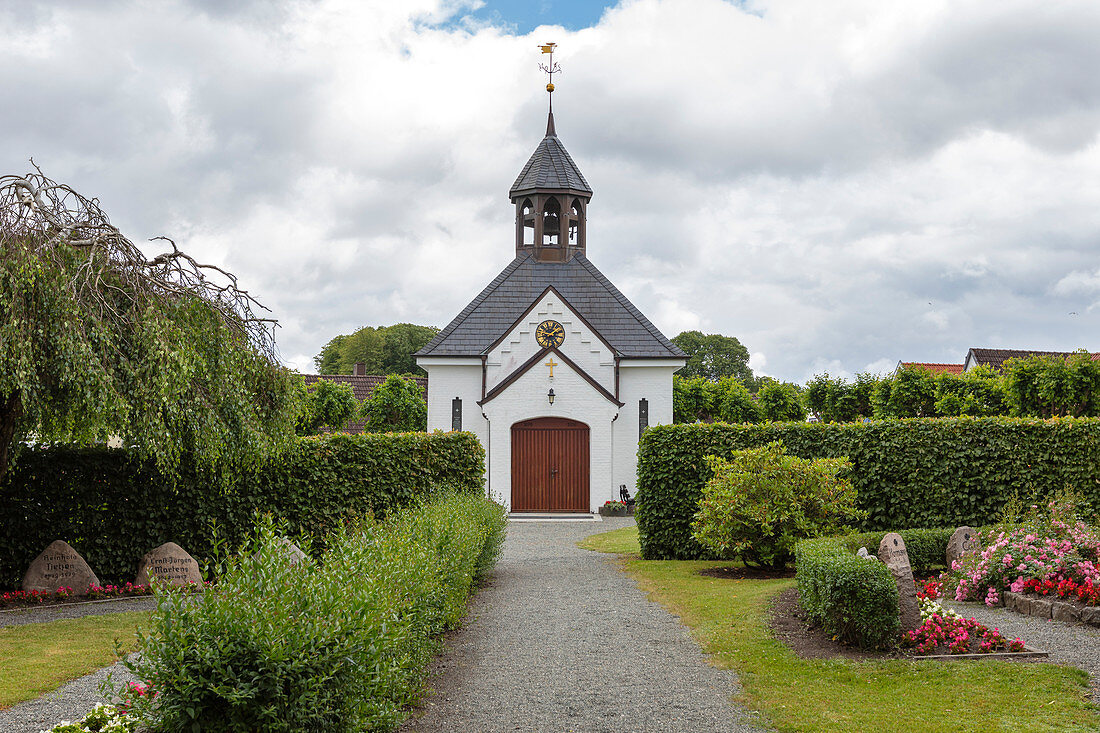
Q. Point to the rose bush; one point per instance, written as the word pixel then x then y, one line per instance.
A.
pixel 1051 550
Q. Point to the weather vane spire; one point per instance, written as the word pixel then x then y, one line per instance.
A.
pixel 550 68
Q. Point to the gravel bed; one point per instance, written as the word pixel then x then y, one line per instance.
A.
pixel 1077 645
pixel 77 698
pixel 42 614
pixel 561 640
pixel 70 702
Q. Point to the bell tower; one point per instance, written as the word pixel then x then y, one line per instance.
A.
pixel 550 194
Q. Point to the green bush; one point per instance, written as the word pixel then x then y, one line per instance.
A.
pixel 339 644
pixel 113 508
pixel 762 501
pixel 942 472
pixel 855 599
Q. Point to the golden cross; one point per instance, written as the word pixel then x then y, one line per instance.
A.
pixel 551 364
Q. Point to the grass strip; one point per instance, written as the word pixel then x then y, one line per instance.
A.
pixel 38 658
pixel 727 618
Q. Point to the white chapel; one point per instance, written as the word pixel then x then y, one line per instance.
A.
pixel 554 370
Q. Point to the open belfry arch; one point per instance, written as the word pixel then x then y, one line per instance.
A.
pixel 554 369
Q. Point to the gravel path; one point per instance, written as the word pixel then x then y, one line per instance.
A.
pixel 42 614
pixel 561 640
pixel 1077 645
pixel 70 702
pixel 74 700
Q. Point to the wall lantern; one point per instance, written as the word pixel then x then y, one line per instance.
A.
pixel 550 395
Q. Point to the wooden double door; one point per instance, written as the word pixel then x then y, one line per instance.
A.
pixel 550 466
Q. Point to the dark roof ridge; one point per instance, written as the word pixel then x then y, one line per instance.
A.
pixel 630 307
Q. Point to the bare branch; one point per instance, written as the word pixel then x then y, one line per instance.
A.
pixel 51 219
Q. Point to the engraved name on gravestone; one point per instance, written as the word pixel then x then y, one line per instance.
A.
pixel 169 563
pixel 963 540
pixel 59 566
pixel 892 552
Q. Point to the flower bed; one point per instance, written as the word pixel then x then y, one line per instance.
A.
pixel 24 598
pixel 1050 553
pixel 944 631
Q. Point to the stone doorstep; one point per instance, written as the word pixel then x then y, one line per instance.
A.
pixel 538 517
pixel 1028 652
pixel 1052 608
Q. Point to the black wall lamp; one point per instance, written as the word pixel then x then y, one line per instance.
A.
pixel 550 395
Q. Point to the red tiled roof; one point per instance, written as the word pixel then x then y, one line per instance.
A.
pixel 362 387
pixel 933 367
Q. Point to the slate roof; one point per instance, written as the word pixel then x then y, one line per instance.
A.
pixel 507 298
pixel 550 167
pixel 997 357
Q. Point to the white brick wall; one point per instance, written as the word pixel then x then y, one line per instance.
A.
pixel 613 432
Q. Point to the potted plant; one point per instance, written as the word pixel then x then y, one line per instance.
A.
pixel 613 509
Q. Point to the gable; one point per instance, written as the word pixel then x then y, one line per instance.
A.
pixel 582 345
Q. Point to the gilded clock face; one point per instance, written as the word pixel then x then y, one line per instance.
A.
pixel 550 334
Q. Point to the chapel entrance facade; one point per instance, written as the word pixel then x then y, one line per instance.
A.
pixel 550 466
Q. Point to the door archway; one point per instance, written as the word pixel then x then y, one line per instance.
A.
pixel 550 465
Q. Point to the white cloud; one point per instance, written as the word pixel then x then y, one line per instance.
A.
pixel 807 177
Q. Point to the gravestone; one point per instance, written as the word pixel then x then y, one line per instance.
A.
pixel 292 551
pixel 169 563
pixel 963 540
pixel 59 566
pixel 892 552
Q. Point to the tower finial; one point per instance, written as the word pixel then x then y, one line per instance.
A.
pixel 550 69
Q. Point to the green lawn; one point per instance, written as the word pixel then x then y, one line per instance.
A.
pixel 38 658
pixel 726 617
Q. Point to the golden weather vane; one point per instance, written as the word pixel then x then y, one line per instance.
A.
pixel 550 68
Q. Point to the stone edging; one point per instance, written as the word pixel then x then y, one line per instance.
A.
pixel 1052 608
pixel 1027 652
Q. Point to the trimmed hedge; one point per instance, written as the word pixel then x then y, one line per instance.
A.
pixel 941 472
pixel 856 599
pixel 113 509
pixel 338 644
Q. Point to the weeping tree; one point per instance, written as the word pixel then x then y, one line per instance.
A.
pixel 170 355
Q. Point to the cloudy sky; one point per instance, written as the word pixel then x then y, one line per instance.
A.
pixel 840 185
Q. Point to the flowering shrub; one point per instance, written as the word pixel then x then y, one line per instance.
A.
pixel 614 505
pixel 106 718
pixel 1051 551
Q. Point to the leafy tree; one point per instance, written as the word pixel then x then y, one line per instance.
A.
pixel 837 400
pixel 763 501
pixel 713 356
pixel 396 406
pixel 978 392
pixel 694 399
pixel 96 340
pixel 1049 386
pixel 384 350
pixel 910 393
pixel 780 402
pixel 326 405
pixel 736 404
